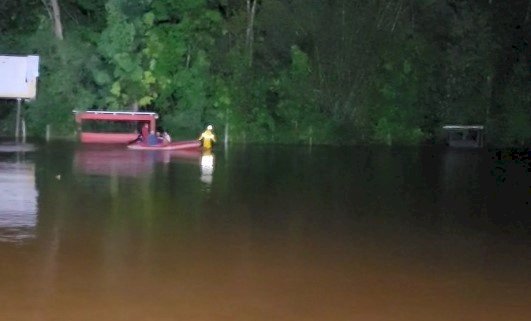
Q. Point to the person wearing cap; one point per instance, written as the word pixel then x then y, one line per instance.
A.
pixel 207 138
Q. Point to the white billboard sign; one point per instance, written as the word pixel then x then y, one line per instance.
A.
pixel 18 76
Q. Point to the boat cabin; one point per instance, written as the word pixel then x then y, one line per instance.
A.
pixel 112 127
pixel 470 136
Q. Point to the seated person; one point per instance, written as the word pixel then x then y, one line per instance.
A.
pixel 166 139
pixel 138 138
pixel 159 134
pixel 152 139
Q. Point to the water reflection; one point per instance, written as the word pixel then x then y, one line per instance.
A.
pixel 114 161
pixel 207 167
pixel 18 201
pixel 119 161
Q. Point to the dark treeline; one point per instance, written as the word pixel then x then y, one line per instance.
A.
pixel 321 71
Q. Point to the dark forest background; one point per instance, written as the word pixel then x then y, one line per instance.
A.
pixel 286 71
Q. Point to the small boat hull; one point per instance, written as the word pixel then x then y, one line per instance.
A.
pixel 191 144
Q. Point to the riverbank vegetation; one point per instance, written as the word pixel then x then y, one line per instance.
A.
pixel 290 71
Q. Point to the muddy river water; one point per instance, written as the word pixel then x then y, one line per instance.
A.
pixel 264 233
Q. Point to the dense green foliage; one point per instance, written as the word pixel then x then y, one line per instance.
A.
pixel 310 71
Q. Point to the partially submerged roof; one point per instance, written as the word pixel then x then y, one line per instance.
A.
pixel 462 127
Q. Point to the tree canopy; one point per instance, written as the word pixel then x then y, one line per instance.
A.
pixel 290 71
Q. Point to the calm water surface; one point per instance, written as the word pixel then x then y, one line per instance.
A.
pixel 264 233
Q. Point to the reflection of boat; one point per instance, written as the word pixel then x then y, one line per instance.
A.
pixel 192 155
pixel 113 161
pixel 182 145
pixel 108 160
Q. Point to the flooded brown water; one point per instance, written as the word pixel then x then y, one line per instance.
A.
pixel 264 233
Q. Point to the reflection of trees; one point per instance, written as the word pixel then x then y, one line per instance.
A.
pixel 460 178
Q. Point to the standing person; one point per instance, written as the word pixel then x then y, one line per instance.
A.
pixel 207 138
pixel 145 132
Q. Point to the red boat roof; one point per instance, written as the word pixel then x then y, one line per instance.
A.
pixel 115 115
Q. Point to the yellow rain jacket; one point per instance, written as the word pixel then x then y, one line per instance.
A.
pixel 208 138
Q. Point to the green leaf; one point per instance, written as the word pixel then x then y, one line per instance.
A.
pixel 116 89
pixel 149 18
pixel 144 101
pixel 101 77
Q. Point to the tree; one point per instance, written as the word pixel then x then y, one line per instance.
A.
pixel 249 34
pixel 180 47
pixel 57 24
pixel 121 45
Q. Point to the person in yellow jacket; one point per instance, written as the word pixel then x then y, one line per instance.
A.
pixel 207 138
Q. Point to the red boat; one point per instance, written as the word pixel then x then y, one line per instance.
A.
pixel 189 144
